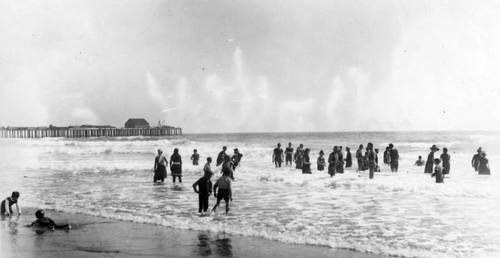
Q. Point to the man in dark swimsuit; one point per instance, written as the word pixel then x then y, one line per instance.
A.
pixel 220 157
pixel 476 158
pixel 394 158
pixel 278 156
pixel 289 154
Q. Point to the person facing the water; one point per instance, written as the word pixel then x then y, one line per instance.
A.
pixel 176 165
pixel 160 167
pixel 223 184
pixel 483 166
pixel 278 156
pixel 445 158
pixel 332 161
pixel 348 158
pixel 195 157
pixel 227 166
pixel 377 167
pixel 370 156
pixel 42 221
pixel 321 161
pixel 289 154
pixel 306 166
pixel 220 157
pixel 359 157
pixel 299 156
pixel 394 158
pixel 6 205
pixel 438 171
pixel 207 168
pixel 475 159
pixel 204 191
pixel 340 163
pixel 236 159
pixel 387 156
pixel 419 161
pixel 430 160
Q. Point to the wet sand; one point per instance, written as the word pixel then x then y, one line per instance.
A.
pixel 99 237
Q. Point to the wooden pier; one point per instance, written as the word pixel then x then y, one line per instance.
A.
pixel 83 132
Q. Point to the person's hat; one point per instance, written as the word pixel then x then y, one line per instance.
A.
pixel 321 152
pixel 434 147
pixel 236 150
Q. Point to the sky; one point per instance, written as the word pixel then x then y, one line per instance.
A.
pixel 228 66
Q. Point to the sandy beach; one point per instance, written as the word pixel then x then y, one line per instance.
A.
pixel 99 237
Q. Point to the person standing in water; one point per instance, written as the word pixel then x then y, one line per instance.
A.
pixel 387 156
pixel 204 191
pixel 195 157
pixel 340 164
pixel 438 171
pixel 228 166
pixel 332 161
pixel 359 157
pixel 289 154
pixel 220 157
pixel 207 168
pixel 394 158
pixel 321 161
pixel 370 154
pixel 306 165
pixel 160 167
pixel 176 165
pixel 419 162
pixel 299 156
pixel 483 166
pixel 348 158
pixel 445 158
pixel 476 158
pixel 223 184
pixel 430 160
pixel 236 159
pixel 278 156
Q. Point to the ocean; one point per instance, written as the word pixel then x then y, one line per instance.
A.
pixel 403 214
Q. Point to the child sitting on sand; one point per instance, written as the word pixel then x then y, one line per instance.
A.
pixel 6 206
pixel 438 171
pixel 42 221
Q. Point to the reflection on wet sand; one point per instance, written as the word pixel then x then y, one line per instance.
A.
pixel 222 248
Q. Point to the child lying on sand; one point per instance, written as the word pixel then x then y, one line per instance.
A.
pixel 42 221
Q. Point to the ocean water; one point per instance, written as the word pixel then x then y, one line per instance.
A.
pixel 404 214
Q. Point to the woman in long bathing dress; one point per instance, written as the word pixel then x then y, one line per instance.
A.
pixel 160 167
pixel 429 165
pixel 176 165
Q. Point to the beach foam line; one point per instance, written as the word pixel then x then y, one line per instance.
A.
pixel 94 236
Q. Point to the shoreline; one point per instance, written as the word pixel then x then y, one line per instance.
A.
pixel 93 236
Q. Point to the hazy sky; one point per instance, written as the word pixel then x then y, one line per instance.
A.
pixel 252 66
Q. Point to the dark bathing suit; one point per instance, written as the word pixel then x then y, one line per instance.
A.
pixel 11 202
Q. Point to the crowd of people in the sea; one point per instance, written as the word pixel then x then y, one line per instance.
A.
pixel 221 190
pixel 367 159
pixel 337 161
